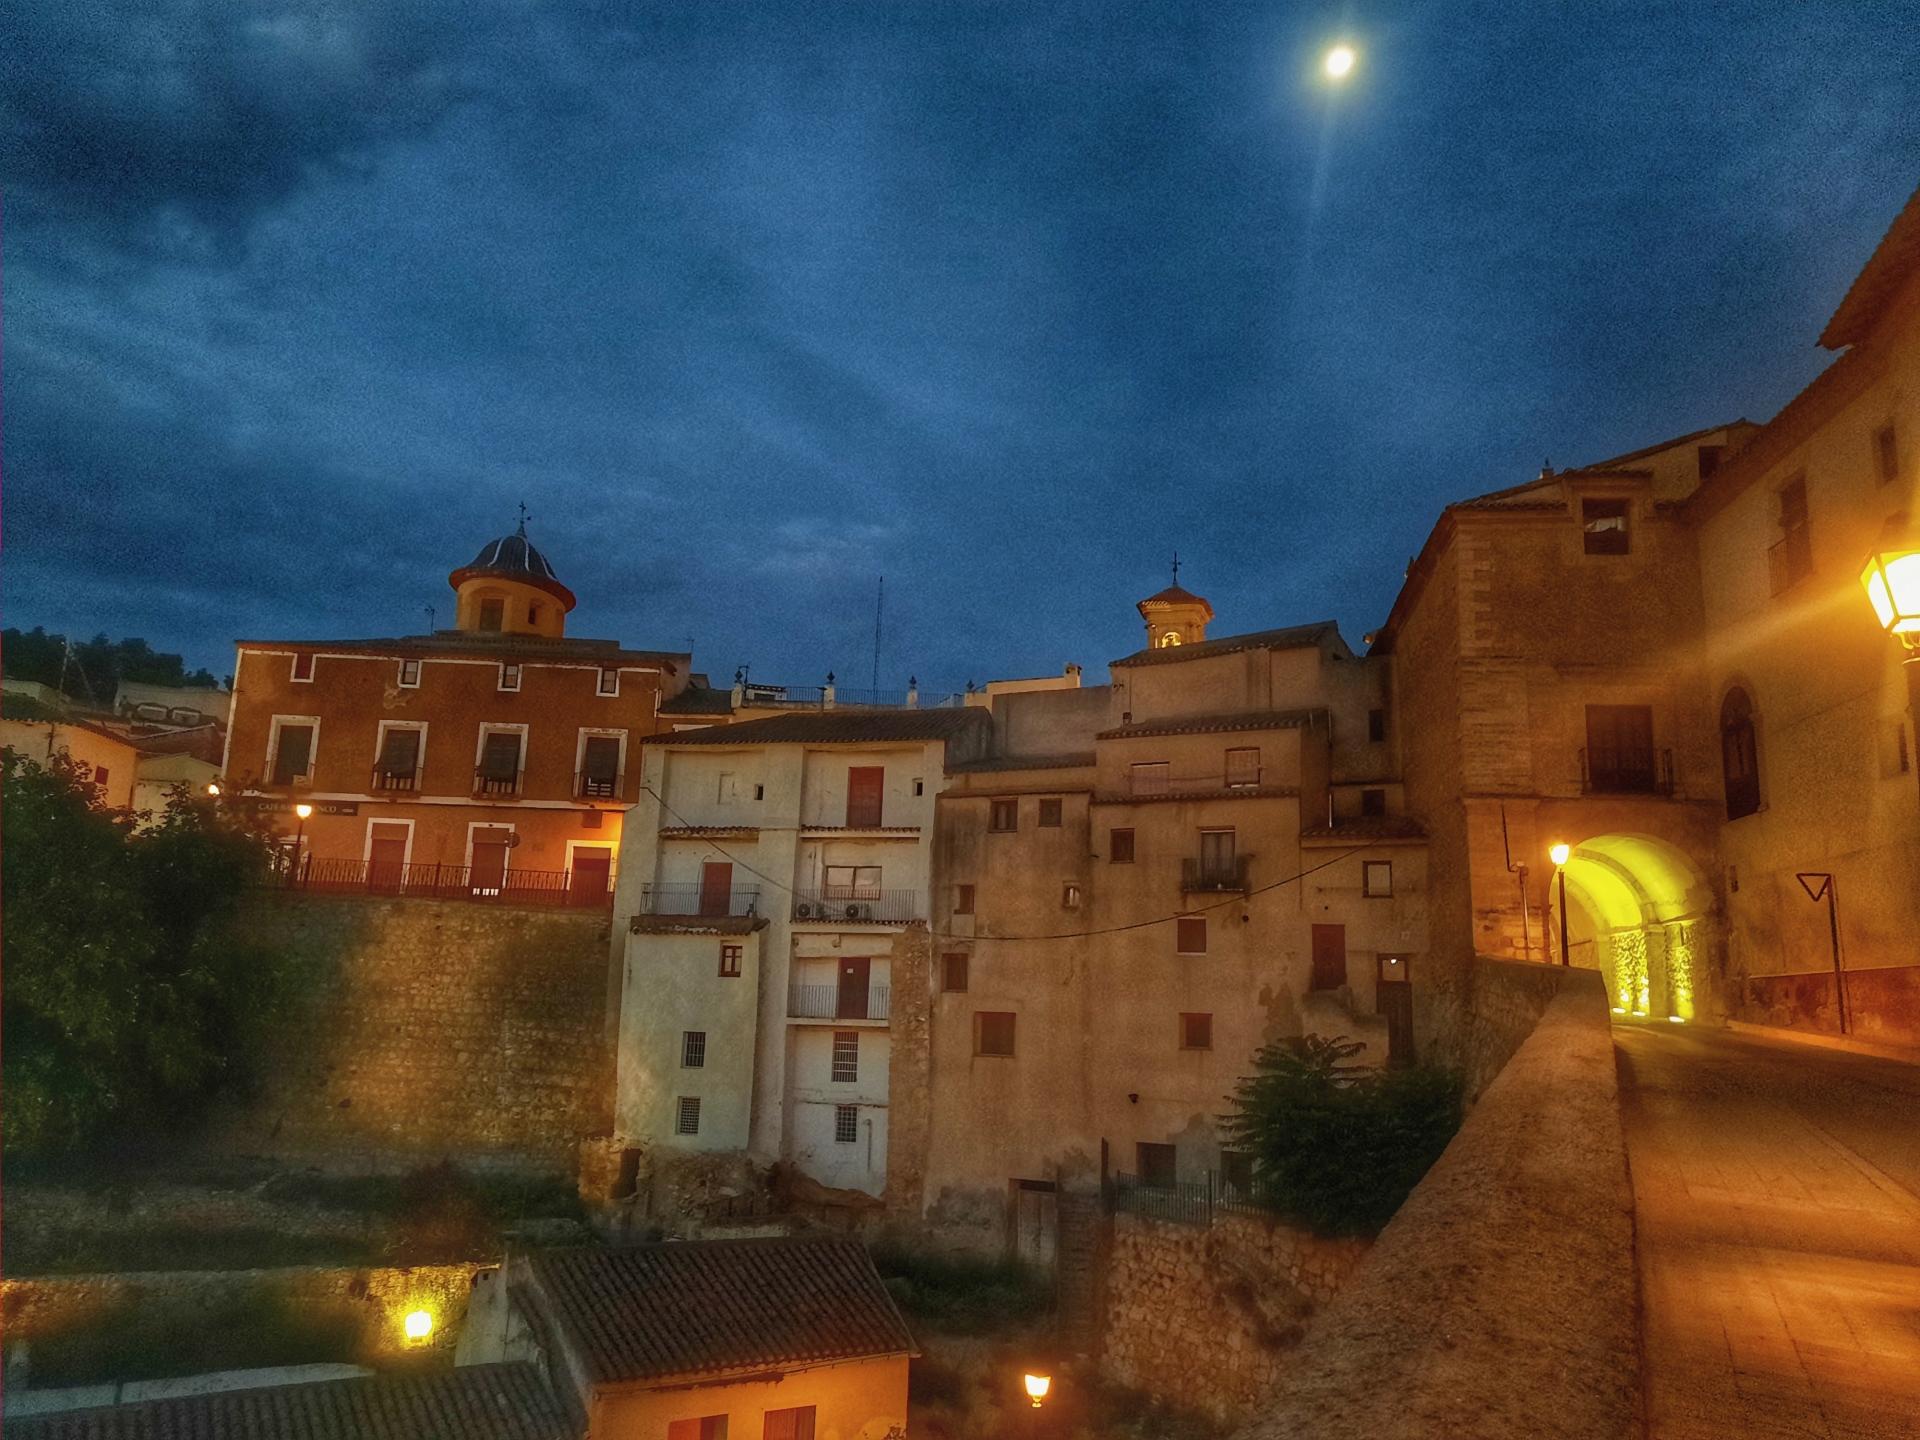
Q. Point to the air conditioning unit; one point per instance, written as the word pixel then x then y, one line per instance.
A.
pixel 859 912
pixel 803 911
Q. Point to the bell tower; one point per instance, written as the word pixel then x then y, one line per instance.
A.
pixel 1175 616
pixel 510 589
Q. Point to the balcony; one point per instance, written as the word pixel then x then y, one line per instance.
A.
pixel 1790 559
pixel 1626 772
pixel 486 783
pixel 384 779
pixel 699 900
pixel 1200 876
pixel 596 787
pixel 831 1002
pixel 857 905
pixel 586 888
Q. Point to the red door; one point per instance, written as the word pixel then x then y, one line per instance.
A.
pixel 1329 957
pixel 592 868
pixel 386 856
pixel 865 786
pixel 716 888
pixel 489 873
pixel 854 975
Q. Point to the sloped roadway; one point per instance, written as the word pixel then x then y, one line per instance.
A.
pixel 1777 1213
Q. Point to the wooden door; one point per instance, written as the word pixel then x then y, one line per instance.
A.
pixel 866 788
pixel 489 873
pixel 854 975
pixel 1393 998
pixel 1036 1222
pixel 592 868
pixel 716 887
pixel 1329 957
pixel 1620 748
pixel 386 855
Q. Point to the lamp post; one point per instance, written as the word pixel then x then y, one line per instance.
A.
pixel 300 839
pixel 1559 855
pixel 1892 582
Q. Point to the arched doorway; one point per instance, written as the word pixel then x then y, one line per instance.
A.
pixel 1640 911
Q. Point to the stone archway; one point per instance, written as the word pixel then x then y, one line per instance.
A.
pixel 1643 912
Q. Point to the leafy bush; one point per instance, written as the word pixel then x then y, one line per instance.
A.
pixel 130 1001
pixel 1339 1146
pixel 156 1339
pixel 961 1296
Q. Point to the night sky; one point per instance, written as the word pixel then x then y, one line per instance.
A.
pixel 753 304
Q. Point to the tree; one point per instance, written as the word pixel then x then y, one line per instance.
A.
pixel 1335 1145
pixel 130 998
pixel 91 671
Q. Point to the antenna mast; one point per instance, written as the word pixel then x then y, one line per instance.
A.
pixel 879 597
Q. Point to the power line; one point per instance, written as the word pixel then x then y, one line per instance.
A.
pixel 1240 899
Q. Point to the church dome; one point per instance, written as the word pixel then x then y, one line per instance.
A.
pixel 513 558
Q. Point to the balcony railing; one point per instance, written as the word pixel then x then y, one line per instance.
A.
pixel 857 905
pixel 1200 875
pixel 1626 772
pixel 830 1002
pixel 487 784
pixel 596 787
pixel 1790 559
pixel 588 889
pixel 699 900
pixel 395 779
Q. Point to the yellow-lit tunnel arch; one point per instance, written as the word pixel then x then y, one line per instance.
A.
pixel 1641 907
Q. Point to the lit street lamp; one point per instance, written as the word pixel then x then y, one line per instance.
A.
pixel 1892 582
pixel 1559 855
pixel 300 837
pixel 1037 1387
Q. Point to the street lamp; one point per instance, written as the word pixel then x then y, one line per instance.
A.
pixel 300 837
pixel 1560 855
pixel 1892 582
pixel 1037 1387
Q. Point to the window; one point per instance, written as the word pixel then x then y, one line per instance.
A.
pixel 963 899
pixel 1070 897
pixel 1605 524
pixel 793 1424
pixel 1790 558
pixel 500 762
pixel 1005 816
pixel 730 956
pixel 493 615
pixel 707 1427
pixel 100 773
pixel 1710 457
pixel 399 760
pixel 292 754
pixel 1196 1032
pixel 1150 778
pixel 533 614
pixel 1158 1165
pixel 1373 802
pixel 693 1050
pixel 953 972
pixel 687 1120
pixel 1050 814
pixel 600 767
pixel 1376 878
pixel 853 882
pixel 846 1056
pixel 1190 935
pixel 1243 768
pixel 609 682
pixel 866 785
pixel 1739 755
pixel 509 677
pixel 759 792
pixel 846 1124
pixel 1376 725
pixel 410 674
pixel 993 1032
pixel 1886 454
pixel 303 667
pixel 1329 957
pixel 919 787
pixel 1620 759
pixel 1120 847
pixel 1216 857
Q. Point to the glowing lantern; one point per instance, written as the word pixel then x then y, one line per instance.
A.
pixel 1037 1387
pixel 1892 583
pixel 419 1325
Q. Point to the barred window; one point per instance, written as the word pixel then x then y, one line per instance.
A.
pixel 846 1056
pixel 846 1123
pixel 693 1049
pixel 688 1120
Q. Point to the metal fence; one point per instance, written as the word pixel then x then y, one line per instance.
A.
pixel 857 906
pixel 829 1002
pixel 444 882
pixel 698 900
pixel 1189 1202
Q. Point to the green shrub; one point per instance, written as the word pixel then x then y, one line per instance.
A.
pixel 961 1296
pixel 151 1340
pixel 1337 1146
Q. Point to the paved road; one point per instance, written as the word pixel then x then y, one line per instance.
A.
pixel 1777 1198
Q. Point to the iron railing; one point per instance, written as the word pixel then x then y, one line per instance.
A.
pixel 857 905
pixel 1626 772
pixel 1198 875
pixel 1190 1202
pixel 489 784
pixel 697 900
pixel 596 787
pixel 395 779
pixel 830 1002
pixel 1790 559
pixel 444 882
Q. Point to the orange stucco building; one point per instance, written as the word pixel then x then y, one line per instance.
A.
pixel 494 758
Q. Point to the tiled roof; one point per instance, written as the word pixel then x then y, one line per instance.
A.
pixel 838 727
pixel 467 642
pixel 650 1312
pixel 698 700
pixel 1026 762
pixel 1368 827
pixel 1174 595
pixel 1293 637
pixel 1895 258
pixel 470 1402
pixel 1216 724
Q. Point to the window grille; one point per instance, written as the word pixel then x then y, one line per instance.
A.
pixel 846 1056
pixel 687 1122
pixel 693 1049
pixel 846 1126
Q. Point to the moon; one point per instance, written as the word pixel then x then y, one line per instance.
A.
pixel 1339 62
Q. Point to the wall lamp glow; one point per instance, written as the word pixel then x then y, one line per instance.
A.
pixel 419 1325
pixel 1892 582
pixel 303 811
pixel 1037 1387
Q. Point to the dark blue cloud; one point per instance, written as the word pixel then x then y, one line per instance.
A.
pixel 753 304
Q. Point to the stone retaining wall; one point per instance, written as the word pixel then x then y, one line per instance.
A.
pixel 1500 1301
pixel 1509 997
pixel 1205 1318
pixel 1883 1005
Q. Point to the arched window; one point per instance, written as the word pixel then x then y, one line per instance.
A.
pixel 1169 639
pixel 1739 757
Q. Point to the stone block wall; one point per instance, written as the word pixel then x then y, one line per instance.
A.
pixel 1883 1005
pixel 1204 1317
pixel 429 1029
pixel 1509 997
